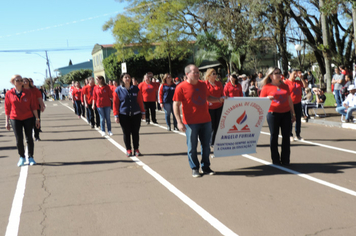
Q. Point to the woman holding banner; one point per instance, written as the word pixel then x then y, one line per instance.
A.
pixel 215 89
pixel 280 114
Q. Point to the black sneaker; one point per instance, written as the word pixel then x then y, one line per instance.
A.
pixel 208 171
pixel 196 173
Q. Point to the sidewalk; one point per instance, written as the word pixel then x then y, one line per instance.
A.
pixel 332 118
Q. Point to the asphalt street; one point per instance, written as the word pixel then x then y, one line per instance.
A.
pixel 83 184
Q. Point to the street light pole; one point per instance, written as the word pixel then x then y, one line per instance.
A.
pixel 49 69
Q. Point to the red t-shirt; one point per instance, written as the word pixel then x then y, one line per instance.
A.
pixel 233 90
pixel 295 89
pixel 88 92
pixel 37 94
pixel 20 109
pixel 281 94
pixel 216 91
pixel 77 94
pixel 102 96
pixel 194 102
pixel 149 91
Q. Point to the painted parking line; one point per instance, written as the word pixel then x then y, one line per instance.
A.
pixel 305 176
pixel 184 198
pixel 318 144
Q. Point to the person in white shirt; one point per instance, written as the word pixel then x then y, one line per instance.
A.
pixel 349 104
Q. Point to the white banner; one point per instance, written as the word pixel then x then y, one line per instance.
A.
pixel 123 68
pixel 240 125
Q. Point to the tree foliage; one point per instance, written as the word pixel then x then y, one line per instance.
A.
pixel 137 66
pixel 77 75
pixel 226 30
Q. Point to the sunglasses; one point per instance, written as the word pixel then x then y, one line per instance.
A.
pixel 277 73
pixel 213 73
pixel 18 80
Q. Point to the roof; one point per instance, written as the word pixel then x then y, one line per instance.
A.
pixel 83 65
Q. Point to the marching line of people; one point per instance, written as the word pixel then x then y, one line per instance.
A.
pixel 199 102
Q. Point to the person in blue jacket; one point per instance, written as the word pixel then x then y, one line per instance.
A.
pixel 165 98
pixel 128 110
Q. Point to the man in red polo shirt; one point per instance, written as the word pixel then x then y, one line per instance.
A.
pixel 193 95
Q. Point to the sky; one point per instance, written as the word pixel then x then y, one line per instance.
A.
pixel 51 25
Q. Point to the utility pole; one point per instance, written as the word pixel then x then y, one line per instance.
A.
pixel 326 52
pixel 354 23
pixel 49 70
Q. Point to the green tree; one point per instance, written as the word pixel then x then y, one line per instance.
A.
pixel 77 75
pixel 150 32
pixel 112 67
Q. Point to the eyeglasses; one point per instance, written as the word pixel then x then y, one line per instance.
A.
pixel 18 80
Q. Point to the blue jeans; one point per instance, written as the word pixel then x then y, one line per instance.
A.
pixel 168 110
pixel 298 122
pixel 104 113
pixel 347 113
pixel 203 131
pixel 338 97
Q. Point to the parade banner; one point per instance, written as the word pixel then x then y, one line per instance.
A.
pixel 240 125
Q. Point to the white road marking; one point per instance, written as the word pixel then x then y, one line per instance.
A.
pixel 198 209
pixel 316 180
pixel 16 208
pixel 318 144
pixel 305 176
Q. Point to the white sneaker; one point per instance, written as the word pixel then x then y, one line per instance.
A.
pixel 291 139
pixel 299 138
pixel 102 133
pixel 110 133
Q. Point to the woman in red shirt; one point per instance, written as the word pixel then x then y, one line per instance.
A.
pixel 102 98
pixel 295 89
pixel 215 89
pixel 233 88
pixel 20 107
pixel 38 100
pixel 149 94
pixel 77 99
pixel 280 114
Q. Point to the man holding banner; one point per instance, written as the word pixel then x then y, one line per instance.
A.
pixel 193 95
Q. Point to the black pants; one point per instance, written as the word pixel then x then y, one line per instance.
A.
pixel 83 109
pixel 150 107
pixel 78 107
pixel 37 131
pixel 90 115
pixel 131 127
pixel 276 121
pixel 215 115
pixel 26 125
pixel 97 117
pixel 298 121
pixel 75 108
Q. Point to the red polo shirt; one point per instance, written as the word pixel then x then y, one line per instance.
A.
pixel 20 109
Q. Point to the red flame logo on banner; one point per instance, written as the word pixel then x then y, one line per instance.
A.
pixel 242 118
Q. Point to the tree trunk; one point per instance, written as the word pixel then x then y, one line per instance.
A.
pixel 326 51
